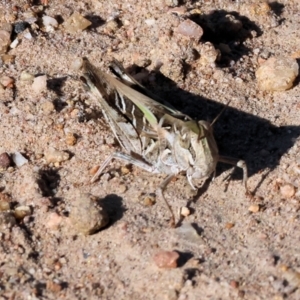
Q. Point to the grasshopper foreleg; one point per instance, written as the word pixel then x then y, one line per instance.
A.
pixel 238 163
pixel 144 165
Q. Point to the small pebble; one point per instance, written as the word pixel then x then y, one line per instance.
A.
pixel 53 221
pixel 21 212
pixel 71 139
pixel 55 156
pixel 5 160
pixel 47 107
pixel 190 29
pixel 166 259
pixel 229 225
pixel 296 54
pixel 149 200
pixel 53 286
pixel 39 84
pixel 4 202
pixel 150 22
pixel 185 211
pixel 20 27
pixel 5 33
pixel 30 17
pixel 14 44
pixel 254 208
pixel 177 10
pixel 125 170
pixel 27 35
pixel 209 54
pixel 171 3
pixel 122 188
pixel 234 284
pixel 241 294
pixel 25 76
pixel 187 232
pixel 277 74
pixel 288 190
pixel 75 113
pixel 112 26
pixel 76 64
pixel 284 268
pixel 260 8
pixel 292 276
pixel 86 214
pixel 49 23
pixel 57 265
pixel 93 170
pixel 19 159
pixel 6 81
pixel 76 23
pixel 8 59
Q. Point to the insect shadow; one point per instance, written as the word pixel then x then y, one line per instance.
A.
pixel 238 134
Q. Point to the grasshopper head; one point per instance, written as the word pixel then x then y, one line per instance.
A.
pixel 204 152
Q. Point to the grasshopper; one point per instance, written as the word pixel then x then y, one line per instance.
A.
pixel 153 135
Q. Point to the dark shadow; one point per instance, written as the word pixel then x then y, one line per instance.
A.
pixel 191 273
pixel 48 181
pixel 229 28
pixel 113 205
pixel 276 259
pixel 95 20
pixel 59 105
pixel 277 7
pixel 64 285
pixel 183 258
pixel 59 19
pixel 198 229
pixel 34 255
pixel 40 287
pixel 93 114
pixel 238 134
pixel 56 84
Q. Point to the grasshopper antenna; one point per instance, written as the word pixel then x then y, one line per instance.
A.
pixel 219 115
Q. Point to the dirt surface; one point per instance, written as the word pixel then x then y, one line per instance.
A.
pixel 241 247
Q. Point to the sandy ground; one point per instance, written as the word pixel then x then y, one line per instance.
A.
pixel 234 253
